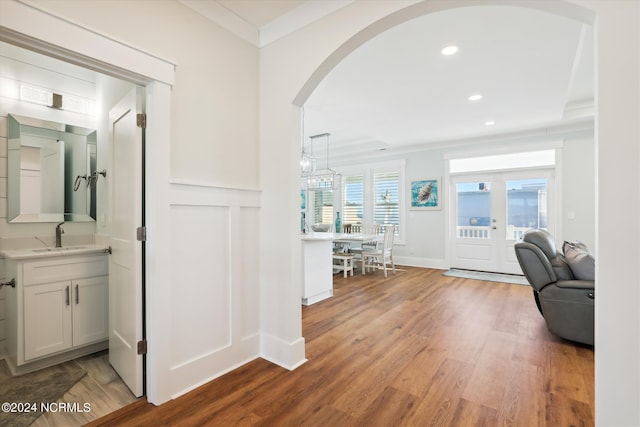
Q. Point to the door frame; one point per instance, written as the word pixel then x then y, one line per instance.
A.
pixel 489 149
pixel 500 246
pixel 28 27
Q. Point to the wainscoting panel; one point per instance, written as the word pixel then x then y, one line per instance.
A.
pixel 215 276
pixel 201 294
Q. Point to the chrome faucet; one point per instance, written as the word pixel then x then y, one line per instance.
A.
pixel 59 232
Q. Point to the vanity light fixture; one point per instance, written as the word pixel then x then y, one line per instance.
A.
pixel 489 123
pixel 47 97
pixel 36 95
pixel 475 97
pixel 449 50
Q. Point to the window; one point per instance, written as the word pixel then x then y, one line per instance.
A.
pixel 353 201
pixel 503 161
pixel 322 206
pixel 373 194
pixel 386 193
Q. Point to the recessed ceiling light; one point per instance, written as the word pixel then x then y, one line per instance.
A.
pixel 489 123
pixel 475 97
pixel 449 50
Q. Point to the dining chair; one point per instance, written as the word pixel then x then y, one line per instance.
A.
pixel 382 254
pixel 371 245
pixel 371 229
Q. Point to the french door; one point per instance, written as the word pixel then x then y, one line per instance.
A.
pixel 491 211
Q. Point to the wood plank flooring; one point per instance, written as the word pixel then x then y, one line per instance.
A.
pixel 102 388
pixel 415 349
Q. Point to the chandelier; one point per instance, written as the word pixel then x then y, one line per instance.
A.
pixel 317 179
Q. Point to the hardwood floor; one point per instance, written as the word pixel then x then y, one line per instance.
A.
pixel 415 349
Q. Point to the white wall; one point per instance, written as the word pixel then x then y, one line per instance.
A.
pixel 579 191
pixel 617 301
pixel 214 101
pixel 426 231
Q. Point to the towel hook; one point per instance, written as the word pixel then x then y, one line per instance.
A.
pixel 11 283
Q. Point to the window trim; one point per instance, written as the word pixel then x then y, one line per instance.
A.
pixel 368 171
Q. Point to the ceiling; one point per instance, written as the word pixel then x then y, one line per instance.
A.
pixel 533 69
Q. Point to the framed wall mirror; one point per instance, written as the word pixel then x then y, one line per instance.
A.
pixel 51 171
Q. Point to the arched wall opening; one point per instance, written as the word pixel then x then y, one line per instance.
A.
pixel 563 8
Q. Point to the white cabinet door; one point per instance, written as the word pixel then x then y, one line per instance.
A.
pixel 47 319
pixel 90 310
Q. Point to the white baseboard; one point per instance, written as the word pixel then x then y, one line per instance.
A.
pixel 289 355
pixel 437 263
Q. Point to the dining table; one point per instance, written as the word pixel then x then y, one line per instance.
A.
pixel 317 261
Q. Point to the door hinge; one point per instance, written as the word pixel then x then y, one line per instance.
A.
pixel 142 347
pixel 141 234
pixel 141 120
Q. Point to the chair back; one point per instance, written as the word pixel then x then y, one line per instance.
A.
pixel 539 259
pixel 370 229
pixel 346 228
pixel 389 234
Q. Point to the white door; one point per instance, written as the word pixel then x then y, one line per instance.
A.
pixel 125 262
pixel 491 211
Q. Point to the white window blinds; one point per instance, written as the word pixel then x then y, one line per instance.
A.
pixel 322 207
pixel 353 199
pixel 386 197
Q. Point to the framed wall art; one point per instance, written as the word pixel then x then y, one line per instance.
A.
pixel 425 194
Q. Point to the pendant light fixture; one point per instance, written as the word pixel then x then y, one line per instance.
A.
pixel 322 179
pixel 307 160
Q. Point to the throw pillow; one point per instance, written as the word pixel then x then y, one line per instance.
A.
pixel 580 260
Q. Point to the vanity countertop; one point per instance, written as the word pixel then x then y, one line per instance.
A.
pixel 35 253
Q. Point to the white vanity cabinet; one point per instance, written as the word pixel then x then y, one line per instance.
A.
pixel 62 315
pixel 58 311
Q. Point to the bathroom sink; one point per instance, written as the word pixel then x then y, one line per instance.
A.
pixel 53 252
pixel 67 248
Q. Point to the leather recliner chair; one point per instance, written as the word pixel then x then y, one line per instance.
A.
pixel 567 304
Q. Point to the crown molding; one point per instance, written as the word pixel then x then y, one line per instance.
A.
pixel 280 27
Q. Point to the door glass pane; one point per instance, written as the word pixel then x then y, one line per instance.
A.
pixel 526 206
pixel 474 210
